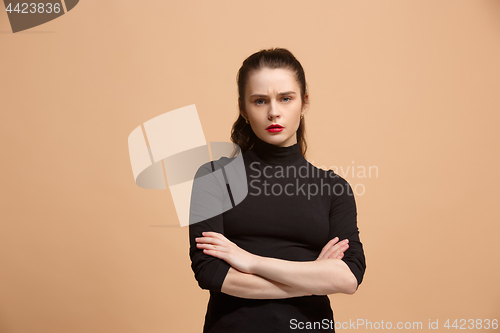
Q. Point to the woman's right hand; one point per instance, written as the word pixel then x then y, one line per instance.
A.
pixel 334 250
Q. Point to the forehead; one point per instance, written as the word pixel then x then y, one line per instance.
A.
pixel 269 81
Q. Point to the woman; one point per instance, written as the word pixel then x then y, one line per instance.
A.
pixel 270 261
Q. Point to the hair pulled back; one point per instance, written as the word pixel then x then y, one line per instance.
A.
pixel 241 132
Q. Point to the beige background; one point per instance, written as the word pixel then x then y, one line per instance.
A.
pixel 408 86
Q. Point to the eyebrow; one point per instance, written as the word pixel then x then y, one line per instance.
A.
pixel 283 93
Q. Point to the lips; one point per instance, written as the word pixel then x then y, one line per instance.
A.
pixel 274 126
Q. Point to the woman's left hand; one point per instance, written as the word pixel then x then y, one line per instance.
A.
pixel 217 245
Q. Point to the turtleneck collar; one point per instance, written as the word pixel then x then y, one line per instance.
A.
pixel 276 155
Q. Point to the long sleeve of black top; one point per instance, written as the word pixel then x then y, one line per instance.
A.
pixel 343 224
pixel 209 271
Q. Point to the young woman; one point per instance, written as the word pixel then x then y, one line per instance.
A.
pixel 270 261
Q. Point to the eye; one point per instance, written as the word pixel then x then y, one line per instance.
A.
pixel 288 99
pixel 258 100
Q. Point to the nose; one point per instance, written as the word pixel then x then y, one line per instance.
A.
pixel 273 111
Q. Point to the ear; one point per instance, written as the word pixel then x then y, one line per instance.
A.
pixel 240 105
pixel 306 103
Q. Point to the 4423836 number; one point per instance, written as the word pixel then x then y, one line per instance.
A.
pixel 463 324
pixel 32 8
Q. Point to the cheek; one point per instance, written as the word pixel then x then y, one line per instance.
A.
pixel 259 122
pixel 296 118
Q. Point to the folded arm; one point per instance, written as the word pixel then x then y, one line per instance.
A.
pixel 247 285
pixel 319 277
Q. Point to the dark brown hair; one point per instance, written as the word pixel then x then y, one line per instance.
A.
pixel 242 133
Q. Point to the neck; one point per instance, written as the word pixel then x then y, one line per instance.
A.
pixel 276 155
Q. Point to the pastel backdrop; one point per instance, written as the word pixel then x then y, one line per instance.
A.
pixel 408 88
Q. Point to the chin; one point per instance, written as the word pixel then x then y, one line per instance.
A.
pixel 272 138
pixel 277 141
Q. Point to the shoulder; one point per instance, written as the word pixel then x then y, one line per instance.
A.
pixel 327 173
pixel 336 177
pixel 211 166
pixel 203 170
pixel 223 161
pixel 340 187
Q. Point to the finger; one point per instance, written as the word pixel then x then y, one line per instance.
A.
pixel 216 235
pixel 213 253
pixel 327 247
pixel 211 234
pixel 333 248
pixel 209 240
pixel 342 247
pixel 339 251
pixel 206 238
pixel 336 249
pixel 209 246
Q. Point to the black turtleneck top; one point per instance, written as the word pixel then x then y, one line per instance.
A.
pixel 291 211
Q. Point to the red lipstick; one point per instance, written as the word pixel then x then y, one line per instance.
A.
pixel 274 128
